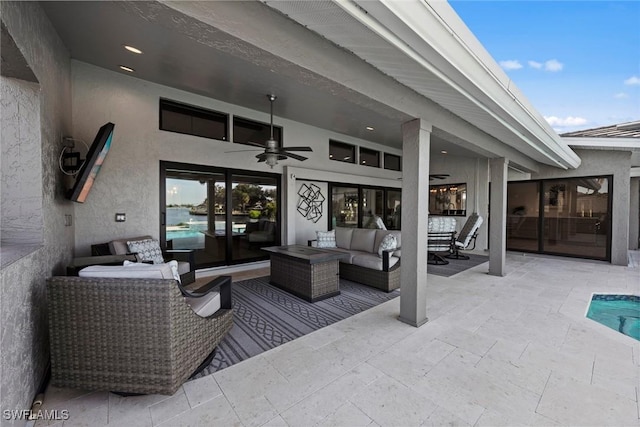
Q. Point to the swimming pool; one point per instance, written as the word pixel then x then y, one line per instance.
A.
pixel 618 312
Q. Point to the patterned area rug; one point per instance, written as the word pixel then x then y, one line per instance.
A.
pixel 456 266
pixel 265 317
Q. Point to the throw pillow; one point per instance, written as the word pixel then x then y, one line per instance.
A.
pixel 326 239
pixel 147 250
pixel 388 242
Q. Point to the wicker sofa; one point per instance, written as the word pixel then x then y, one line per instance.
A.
pixel 130 335
pixel 364 264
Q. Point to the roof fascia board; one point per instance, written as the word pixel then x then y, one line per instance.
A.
pixel 395 22
pixel 603 143
pixel 283 37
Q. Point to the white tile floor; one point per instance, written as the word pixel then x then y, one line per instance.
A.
pixel 514 350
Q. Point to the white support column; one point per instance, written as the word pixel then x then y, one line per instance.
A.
pixel 416 143
pixel 498 217
pixel 634 213
pixel 289 210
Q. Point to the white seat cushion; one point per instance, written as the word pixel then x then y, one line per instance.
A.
pixel 372 261
pixel 132 271
pixel 205 306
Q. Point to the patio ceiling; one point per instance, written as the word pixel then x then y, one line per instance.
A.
pixel 185 50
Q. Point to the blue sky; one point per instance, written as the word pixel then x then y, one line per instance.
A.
pixel 578 62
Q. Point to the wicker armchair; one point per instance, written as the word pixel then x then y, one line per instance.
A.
pixel 129 335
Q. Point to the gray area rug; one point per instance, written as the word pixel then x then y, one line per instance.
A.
pixel 456 266
pixel 265 317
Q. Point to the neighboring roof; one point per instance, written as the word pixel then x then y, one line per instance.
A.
pixel 622 130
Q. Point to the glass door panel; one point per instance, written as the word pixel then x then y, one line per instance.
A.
pixel 254 213
pixel 393 209
pixel 576 217
pixel 372 207
pixel 344 202
pixel 190 219
pixel 523 211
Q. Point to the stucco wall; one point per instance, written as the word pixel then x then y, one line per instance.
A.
pixel 24 347
pixel 634 213
pixel 601 162
pixel 129 179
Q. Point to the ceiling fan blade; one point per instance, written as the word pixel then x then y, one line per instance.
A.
pixel 295 156
pixel 255 144
pixel 261 157
pixel 296 148
pixel 241 151
pixel 438 176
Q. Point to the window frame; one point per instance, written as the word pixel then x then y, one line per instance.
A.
pixel 368 152
pixel 278 131
pixel 386 155
pixel 192 111
pixel 339 144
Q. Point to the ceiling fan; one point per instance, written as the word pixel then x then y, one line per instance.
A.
pixel 273 153
pixel 438 176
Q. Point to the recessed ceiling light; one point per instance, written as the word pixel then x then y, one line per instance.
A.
pixel 369 128
pixel 331 156
pixel 133 49
pixel 128 69
pixel 444 151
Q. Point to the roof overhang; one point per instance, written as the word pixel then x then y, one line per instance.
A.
pixel 426 47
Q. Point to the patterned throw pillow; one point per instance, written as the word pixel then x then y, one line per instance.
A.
pixel 147 250
pixel 388 242
pixel 326 239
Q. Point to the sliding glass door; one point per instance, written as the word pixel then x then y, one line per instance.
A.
pixel 223 227
pixel 569 216
pixel 577 217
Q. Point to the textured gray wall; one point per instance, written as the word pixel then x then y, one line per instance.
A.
pixel 601 162
pixel 21 205
pixel 24 347
pixel 129 179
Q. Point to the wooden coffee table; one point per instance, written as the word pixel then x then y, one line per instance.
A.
pixel 306 272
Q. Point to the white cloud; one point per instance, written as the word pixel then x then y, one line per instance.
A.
pixel 621 95
pixel 535 64
pixel 511 64
pixel 567 121
pixel 633 80
pixel 553 65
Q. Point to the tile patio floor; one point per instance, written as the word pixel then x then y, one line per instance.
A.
pixel 514 350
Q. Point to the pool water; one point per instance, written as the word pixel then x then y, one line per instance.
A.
pixel 618 312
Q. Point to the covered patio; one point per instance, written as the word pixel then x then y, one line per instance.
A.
pixel 512 350
pixel 406 79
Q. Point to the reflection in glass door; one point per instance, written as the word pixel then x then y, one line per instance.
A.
pixel 372 207
pixel 576 217
pixel 344 202
pixel 523 211
pixel 192 222
pixel 254 212
pixel 394 200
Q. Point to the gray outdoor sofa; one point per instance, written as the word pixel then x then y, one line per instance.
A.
pixel 364 264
